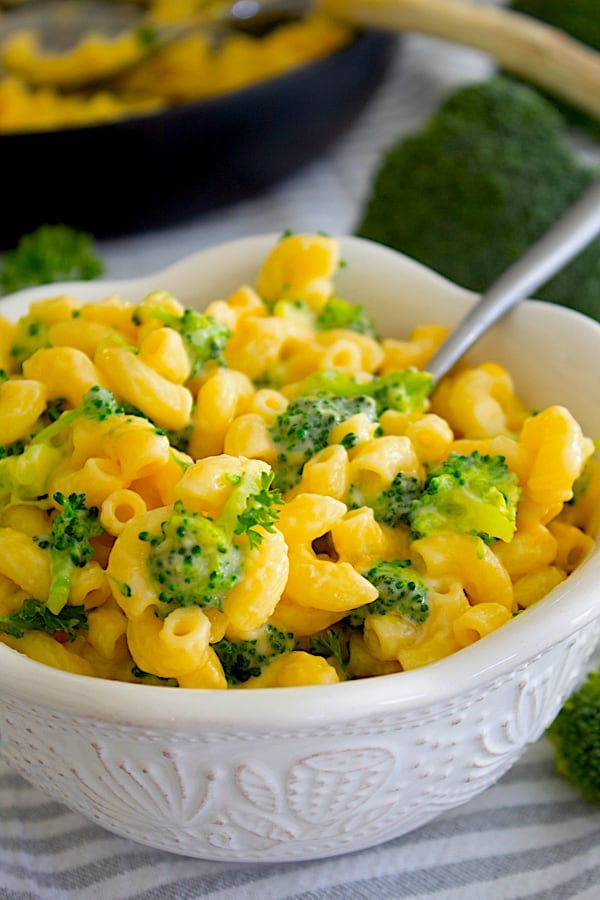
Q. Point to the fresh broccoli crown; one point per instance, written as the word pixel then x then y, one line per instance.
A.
pixel 404 390
pixel 69 544
pixel 400 591
pixel 392 505
pixel 303 429
pixel 476 493
pixel 31 335
pixel 51 253
pixel 204 338
pixel 36 616
pixel 338 313
pixel 575 735
pixel 97 404
pixel 192 562
pixel 492 170
pixel 246 659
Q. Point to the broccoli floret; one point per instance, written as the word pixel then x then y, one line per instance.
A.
pixel 31 335
pixel 338 313
pixel 580 19
pixel 14 449
pixel 24 476
pixel 303 429
pixel 246 659
pixel 192 561
pixel 69 545
pixel 392 505
pixel 475 493
pixel 575 735
pixel 400 591
pixel 51 253
pixel 97 404
pixel 490 172
pixel 204 337
pixel 404 390
pixel 196 560
pixel 36 616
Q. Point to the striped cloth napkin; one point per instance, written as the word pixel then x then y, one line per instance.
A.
pixel 529 836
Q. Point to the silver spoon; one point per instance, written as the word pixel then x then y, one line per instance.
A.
pixel 558 246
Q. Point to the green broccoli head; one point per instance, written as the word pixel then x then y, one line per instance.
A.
pixel 247 658
pixel 195 560
pixel 575 735
pixel 25 469
pixel 51 253
pixel 97 404
pixel 192 561
pixel 392 505
pixel 400 591
pixel 303 429
pixel 338 313
pixel 73 527
pixel 204 338
pixel 403 390
pixel 475 493
pixel 489 173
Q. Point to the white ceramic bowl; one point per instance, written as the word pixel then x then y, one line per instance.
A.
pixel 287 774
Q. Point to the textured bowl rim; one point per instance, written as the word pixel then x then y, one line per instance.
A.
pixel 567 609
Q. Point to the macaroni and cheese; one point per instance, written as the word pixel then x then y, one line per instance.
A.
pixel 40 90
pixel 269 492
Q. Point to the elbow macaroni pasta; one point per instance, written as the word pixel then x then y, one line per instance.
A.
pixel 272 600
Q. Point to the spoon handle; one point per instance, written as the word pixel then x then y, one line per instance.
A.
pixel 564 240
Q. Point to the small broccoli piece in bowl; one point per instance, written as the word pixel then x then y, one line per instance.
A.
pixel 575 735
pixel 246 658
pixel 303 429
pixel 401 592
pixel 195 560
pixel 34 615
pixel 475 493
pixel 204 338
pixel 73 526
pixel 487 175
pixel 338 313
pixel 31 334
pixel 403 390
pixel 192 561
pixel 24 476
pixel 392 505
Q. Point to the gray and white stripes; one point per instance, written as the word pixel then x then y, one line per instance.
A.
pixel 530 836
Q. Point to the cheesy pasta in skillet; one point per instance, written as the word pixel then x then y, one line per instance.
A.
pixel 268 492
